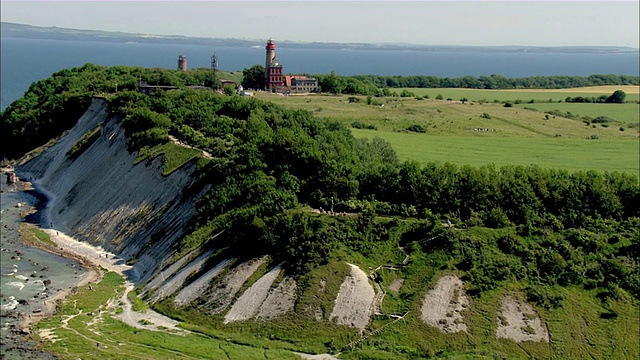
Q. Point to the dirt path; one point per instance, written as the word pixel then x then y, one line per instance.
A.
pixel 95 258
pixel 176 141
pixel 149 320
pixel 50 304
pixel 317 357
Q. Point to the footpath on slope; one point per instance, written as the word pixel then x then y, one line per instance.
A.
pixel 94 259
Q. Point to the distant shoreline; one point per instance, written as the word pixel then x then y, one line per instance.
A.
pixel 24 31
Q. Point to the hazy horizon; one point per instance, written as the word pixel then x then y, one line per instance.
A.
pixel 316 42
pixel 457 23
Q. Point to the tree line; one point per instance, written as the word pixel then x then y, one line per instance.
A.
pixel 617 97
pixel 498 81
pixel 378 85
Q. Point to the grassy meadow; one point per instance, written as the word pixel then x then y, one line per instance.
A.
pixel 478 133
pixel 625 114
pixel 77 331
pixel 568 154
pixel 524 94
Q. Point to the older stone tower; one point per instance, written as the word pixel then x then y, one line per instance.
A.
pixel 273 70
pixel 182 63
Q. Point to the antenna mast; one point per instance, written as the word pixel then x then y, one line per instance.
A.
pixel 214 70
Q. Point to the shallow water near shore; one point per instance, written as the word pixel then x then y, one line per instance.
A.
pixel 24 271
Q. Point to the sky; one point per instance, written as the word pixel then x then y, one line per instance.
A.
pixel 482 23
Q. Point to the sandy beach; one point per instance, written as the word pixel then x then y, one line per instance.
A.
pixel 97 260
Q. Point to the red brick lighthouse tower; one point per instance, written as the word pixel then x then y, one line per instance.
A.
pixel 273 70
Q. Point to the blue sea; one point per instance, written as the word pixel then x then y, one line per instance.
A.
pixel 24 61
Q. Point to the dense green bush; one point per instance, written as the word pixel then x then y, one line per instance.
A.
pixel 417 128
pixel 360 125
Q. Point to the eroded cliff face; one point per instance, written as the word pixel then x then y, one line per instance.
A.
pixel 104 198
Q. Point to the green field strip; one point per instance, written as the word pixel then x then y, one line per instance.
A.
pixel 569 154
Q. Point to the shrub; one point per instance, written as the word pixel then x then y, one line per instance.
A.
pixel 439 97
pixel 602 120
pixel 508 104
pixel 353 99
pixel 406 93
pixel 372 101
pixel 229 90
pixel 360 125
pixel 617 97
pixel 497 218
pixel 485 116
pixel 417 128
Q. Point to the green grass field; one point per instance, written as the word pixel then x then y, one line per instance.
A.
pixel 568 154
pixel 78 334
pixel 523 94
pixel 478 134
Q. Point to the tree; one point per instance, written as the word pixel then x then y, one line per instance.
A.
pixel 229 90
pixel 253 77
pixel 617 97
pixel 331 83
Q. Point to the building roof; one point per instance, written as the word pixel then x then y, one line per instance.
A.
pixel 288 79
pixel 270 45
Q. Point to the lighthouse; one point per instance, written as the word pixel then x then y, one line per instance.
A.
pixel 273 69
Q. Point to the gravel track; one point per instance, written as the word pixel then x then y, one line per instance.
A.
pixel 96 257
